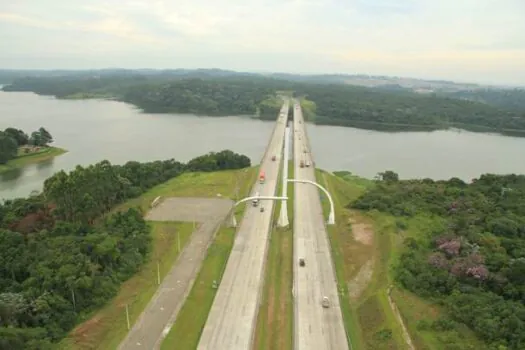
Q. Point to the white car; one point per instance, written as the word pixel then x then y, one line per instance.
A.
pixel 326 302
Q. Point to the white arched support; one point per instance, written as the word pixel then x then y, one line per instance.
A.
pixel 272 198
pixel 331 216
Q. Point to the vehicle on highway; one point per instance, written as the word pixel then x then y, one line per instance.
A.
pixel 301 262
pixel 255 201
pixel 308 164
pixel 301 164
pixel 326 302
pixel 305 151
pixel 262 209
pixel 274 158
pixel 262 177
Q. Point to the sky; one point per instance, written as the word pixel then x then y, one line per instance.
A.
pixel 461 40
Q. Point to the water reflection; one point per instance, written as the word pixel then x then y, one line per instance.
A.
pixel 12 175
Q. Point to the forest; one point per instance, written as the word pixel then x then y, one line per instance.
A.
pixel 335 104
pixel 65 252
pixel 14 142
pixel 511 99
pixel 473 260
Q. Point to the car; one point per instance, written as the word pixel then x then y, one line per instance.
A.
pixel 262 209
pixel 326 302
pixel 301 262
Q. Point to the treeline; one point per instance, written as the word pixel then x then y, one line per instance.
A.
pixel 511 99
pixel 64 254
pixel 12 139
pixel 335 104
pixel 473 260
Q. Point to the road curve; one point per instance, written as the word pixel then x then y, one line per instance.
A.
pixel 315 327
pixel 233 315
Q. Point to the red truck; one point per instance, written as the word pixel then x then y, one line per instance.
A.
pixel 262 177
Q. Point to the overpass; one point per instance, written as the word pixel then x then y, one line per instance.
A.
pixel 233 316
pixel 315 327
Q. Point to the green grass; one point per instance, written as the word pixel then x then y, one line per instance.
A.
pixel 375 316
pixel 24 159
pixel 191 319
pixel 275 318
pixel 347 255
pixel 186 330
pixel 106 328
pixel 198 185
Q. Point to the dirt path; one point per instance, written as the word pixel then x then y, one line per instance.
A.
pixel 359 283
pixel 157 318
pixel 395 310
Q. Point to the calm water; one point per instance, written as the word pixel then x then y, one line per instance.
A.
pixel 94 130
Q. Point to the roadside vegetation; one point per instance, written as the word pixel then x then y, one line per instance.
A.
pixel 66 252
pixel 335 104
pixel 107 327
pixel 429 264
pixel 275 318
pixel 18 149
pixel 186 331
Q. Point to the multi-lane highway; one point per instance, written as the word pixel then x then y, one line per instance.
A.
pixel 233 316
pixel 315 327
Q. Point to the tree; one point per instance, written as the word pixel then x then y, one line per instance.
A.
pixel 18 135
pixel 8 147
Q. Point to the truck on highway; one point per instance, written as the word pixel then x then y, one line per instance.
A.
pixel 308 164
pixel 301 164
pixel 255 201
pixel 262 177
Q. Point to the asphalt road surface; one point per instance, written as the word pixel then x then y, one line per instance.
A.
pixel 158 316
pixel 233 316
pixel 315 327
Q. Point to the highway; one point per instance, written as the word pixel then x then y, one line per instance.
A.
pixel 315 327
pixel 233 316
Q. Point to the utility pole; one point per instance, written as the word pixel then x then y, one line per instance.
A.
pixel 127 316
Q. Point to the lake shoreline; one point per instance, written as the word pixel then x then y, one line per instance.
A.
pixel 25 160
pixel 316 120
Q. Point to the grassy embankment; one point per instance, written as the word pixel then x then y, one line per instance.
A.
pixel 275 319
pixel 24 159
pixel 106 328
pixel 364 263
pixel 191 319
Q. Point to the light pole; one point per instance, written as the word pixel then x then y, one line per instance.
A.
pixel 234 222
pixel 331 216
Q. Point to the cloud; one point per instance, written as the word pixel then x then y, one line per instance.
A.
pixel 447 38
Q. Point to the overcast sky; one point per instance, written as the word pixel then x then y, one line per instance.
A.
pixel 461 40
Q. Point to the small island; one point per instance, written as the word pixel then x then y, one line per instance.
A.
pixel 18 149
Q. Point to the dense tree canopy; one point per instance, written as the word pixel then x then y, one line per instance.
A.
pixel 511 99
pixel 58 263
pixel 12 139
pixel 473 260
pixel 335 104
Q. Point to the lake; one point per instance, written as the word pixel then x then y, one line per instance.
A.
pixel 93 130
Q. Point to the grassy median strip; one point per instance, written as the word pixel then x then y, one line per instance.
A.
pixel 275 319
pixel 106 328
pixel 186 331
